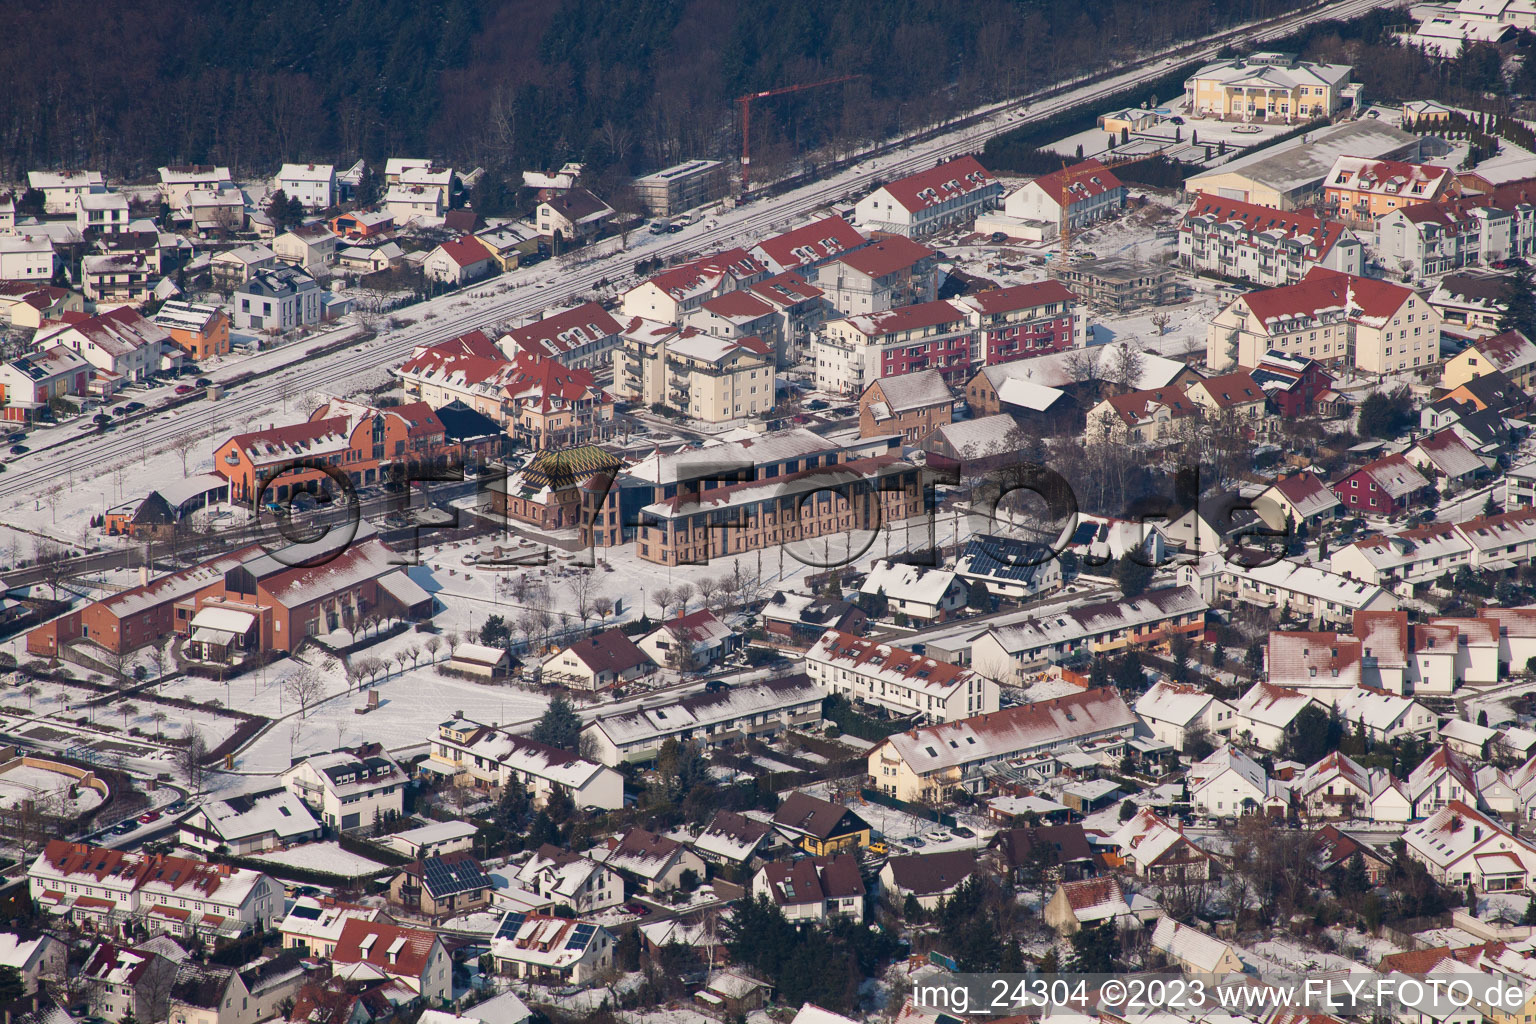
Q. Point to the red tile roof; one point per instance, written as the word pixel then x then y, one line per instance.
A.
pixel 410 959
pixel 1079 182
pixel 1255 218
pixel 812 243
pixel 1322 291
pixel 940 184
pixel 888 255
pixel 466 251
pixel 1022 296
pixel 556 335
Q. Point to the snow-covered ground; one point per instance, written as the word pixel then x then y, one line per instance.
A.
pixel 47 789
pixel 328 857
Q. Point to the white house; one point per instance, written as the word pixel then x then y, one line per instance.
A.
pixel 1266 714
pixel 1460 845
pixel 1228 783
pixel 376 951
pixel 656 862
pixel 1171 711
pixel 539 947
pixel 953 193
pixel 313 925
pixel 915 591
pixel 349 788
pixel 700 638
pixel 458 262
pixel 897 679
pixel 1193 951
pixel 101 211
pixel 119 342
pixel 314 185
pixel 563 877
pixel 1075 196
pixel 62 189
pixel 1386 716
pixel 310 247
pixel 276 300
pixel 813 888
pixel 250 823
pixel 26 257
pixel 1289 587
pixel 41 956
pixel 491 757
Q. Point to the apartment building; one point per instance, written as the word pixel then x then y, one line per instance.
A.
pixel 684 186
pixel 854 351
pixel 672 294
pixel 279 299
pixel 897 680
pixel 707 377
pixel 1360 189
pixel 822 501
pixel 1116 284
pixel 1476 230
pixel 1261 244
pixel 911 406
pixel 1026 320
pixel 890 272
pixel 954 192
pixel 1071 198
pixel 1370 324
pixel 120 343
pixel 582 337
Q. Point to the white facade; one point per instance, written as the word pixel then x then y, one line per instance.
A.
pixel 26 258
pixel 314 185
pixel 347 790
pixel 898 680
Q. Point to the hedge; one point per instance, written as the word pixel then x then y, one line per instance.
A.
pixel 373 851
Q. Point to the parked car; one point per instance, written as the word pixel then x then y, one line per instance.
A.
pixel 915 842
pixel 125 827
pixel 185 389
pixel 149 816
pixel 963 832
pixel 202 382
pixel 19 449
pixel 638 909
pixel 134 406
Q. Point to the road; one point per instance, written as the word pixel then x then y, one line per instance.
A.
pixel 545 285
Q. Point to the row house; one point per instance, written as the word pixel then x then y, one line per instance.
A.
pixel 1261 244
pixel 709 378
pixel 931 763
pixel 1361 189
pixel 1010 652
pixel 355 439
pixel 1476 230
pixel 1493 542
pixel 889 272
pixel 1287 587
pixel 948 195
pixel 1382 487
pixel 414 957
pixel 1363 322
pixel 96 886
pixel 758 710
pixel 897 680
pixel 824 501
pixel 581 338
pixel 853 352
pixel 672 294
pixel 807 248
pixel 491 758
pixel 1071 198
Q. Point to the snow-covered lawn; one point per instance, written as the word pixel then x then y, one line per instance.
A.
pixel 49 789
pixel 329 857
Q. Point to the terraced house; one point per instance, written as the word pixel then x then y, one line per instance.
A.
pixel 1264 245
pixel 897 680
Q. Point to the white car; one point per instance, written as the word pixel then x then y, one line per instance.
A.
pixel 938 836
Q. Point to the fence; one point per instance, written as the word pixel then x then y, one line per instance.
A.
pixel 874 796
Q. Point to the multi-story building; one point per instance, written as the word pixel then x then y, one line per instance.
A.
pixel 26 257
pixel 932 762
pixel 581 338
pixel 1364 322
pixel 31 380
pixel 1026 320
pixel 178 183
pixel 1359 189
pixel 278 299
pixel 118 343
pixel 757 709
pixel 890 272
pixel 1115 284
pixel 672 294
pixel 1263 245
pixel 1267 87
pixel 897 680
pixel 1432 238
pixel 853 352
pixel 911 406
pixel 117 277
pixel 199 329
pixel 810 246
pixel 310 247
pixel 62 189
pixel 349 789
pixel 1155 418
pixel 1470 305
pixel 492 758
pixel 706 377
pixel 129 983
pixel 1382 487
pixel 186 897
pixel 1071 198
pixel 953 193
pixel 559 950
pixel 103 212
pixel 415 957
pixel 683 186
pixel 234 267
pixel 823 501
pixel 546 405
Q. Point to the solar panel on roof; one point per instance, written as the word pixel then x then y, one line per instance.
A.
pixel 308 913
pixel 510 926
pixel 581 936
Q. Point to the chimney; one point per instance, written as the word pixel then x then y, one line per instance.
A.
pixel 144 575
pixel 1477 832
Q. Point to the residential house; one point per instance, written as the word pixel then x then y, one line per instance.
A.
pixel 1460 845
pixel 930 763
pixel 405 203
pixel 1264 245
pixel 916 592
pixel 101 211
pixel 199 329
pixel 928 878
pixel 853 352
pixel 442 885
pixel 1158 852
pixel 581 337
pixel 1445 458
pixel 1470 307
pixel 488 757
pixel 901 682
pixel 911 405
pixel 1334 849
pixel 699 638
pixel 1228 784
pixel 310 247
pixel 362 224
pixel 1297 385
pixel 1087 902
pixel 1173 712
pixel 1409 556
pixel 438 837
pixel 209 994
pixel 1231 395
pixel 1300 499
pixel 1383 487
pixel 277 300
pixel 597 662
pixel 35 956
pixel 458 262
pixel 314 185
pixel 1008 568
pixel 129 983
pixel 820 827
pixel 815 888
pixel 377 951
pixel 670 295
pixel 1193 951
pixel 585 885
pixel 571 215
pixel 1266 715
pixel 178 183
pixel 656 863
pixel 1157 418
pixel 539 947
pixel 1287 586
pixel 734 840
pixel 62 189
pixel 1377 326
pixel 1267 86
pixel 1464 231
pixel 249 823
pixel 1510 353
pixel 28 304
pixel 117 278
pixel 764 710
pixel 217 211
pixel 120 343
pixel 952 193
pixel 314 923
pixel 26 257
pixel 29 382
pixel 232 268
pixel 809 247
pixel 349 788
pixel 1073 197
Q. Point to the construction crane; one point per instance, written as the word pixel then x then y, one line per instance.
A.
pixel 746 117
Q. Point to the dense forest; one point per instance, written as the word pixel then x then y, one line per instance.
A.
pixel 626 85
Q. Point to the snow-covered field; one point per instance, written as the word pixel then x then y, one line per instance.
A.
pixel 324 857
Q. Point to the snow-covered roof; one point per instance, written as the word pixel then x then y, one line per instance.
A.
pixel 1457 830
pixel 1275 706
pixel 903 582
pixel 699 712
pixel 1188 945
pixel 275 812
pixel 1175 703
pixel 889 664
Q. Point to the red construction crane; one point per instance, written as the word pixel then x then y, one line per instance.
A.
pixel 746 117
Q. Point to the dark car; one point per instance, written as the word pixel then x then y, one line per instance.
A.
pixel 134 406
pixel 19 449
pixel 999 237
pixel 202 382
pixel 716 685
pixel 963 832
pixel 1175 120
pixel 120 411
pixel 673 229
pixel 101 417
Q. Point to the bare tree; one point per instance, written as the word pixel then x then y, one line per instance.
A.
pixel 157 659
pixel 450 641
pixel 189 761
pixel 51 498
pixel 432 645
pixel 304 687
pixel 1161 322
pixel 158 716
pixel 581 587
pixel 1082 365
pixel 52 564
pixel 129 710
pixel 682 593
pixel 116 663
pixel 183 446
pixel 295 733
pixel 401 657
pixel 30 691
pixel 709 590
pixel 603 606
pixel 1125 371
pixel 663 599
pixel 415 652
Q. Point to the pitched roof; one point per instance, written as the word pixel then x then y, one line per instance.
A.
pixel 465 251
pixel 1078 183
pixel 1230 389
pixel 1188 945
pixel 390 948
pixel 1135 407
pixel 1449 454
pixel 1365 300
pixel 820 819
pixel 1253 221
pixel 1178 703
pixel 1308 493
pixel 1392 474
pixel 1094 899
pixel 992 301
pixel 810 243
pixel 930 874
pixel 949 180
pixel 924 389
pixel 642 852
pixel 888 255
pixel 1509 352
pixel 609 651
pixel 556 335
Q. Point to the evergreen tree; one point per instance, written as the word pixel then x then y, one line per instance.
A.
pixel 1130 677
pixel 1098 671
pixel 278 211
pixel 1482 717
pixel 1356 880
pixel 1132 576
pixel 560 726
pixel 1519 301
pixel 1094 949
pixel 12 987
pixel 370 186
